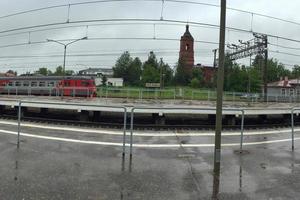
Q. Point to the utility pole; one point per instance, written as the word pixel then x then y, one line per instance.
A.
pixel 64 63
pixel 220 86
pixel 215 66
pixel 265 69
pixel 161 73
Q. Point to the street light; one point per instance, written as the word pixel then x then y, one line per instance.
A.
pixel 65 51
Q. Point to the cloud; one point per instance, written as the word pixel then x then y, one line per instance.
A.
pixel 140 10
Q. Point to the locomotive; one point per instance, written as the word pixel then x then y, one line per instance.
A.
pixel 75 86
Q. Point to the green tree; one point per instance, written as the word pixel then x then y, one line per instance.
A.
pixel 296 72
pixel 69 73
pixel 59 71
pixel 275 70
pixel 195 83
pixel 151 70
pixel 165 72
pixel 182 76
pixel 127 68
pixel 43 71
pixel 135 72
pixel 103 80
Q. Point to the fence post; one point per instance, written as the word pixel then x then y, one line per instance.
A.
pixel 106 93
pixel 124 130
pixel 242 130
pixel 19 124
pixel 131 131
pixel 292 123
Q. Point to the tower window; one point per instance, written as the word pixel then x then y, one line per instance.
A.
pixel 187 47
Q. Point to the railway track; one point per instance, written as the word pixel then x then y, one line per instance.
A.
pixel 170 125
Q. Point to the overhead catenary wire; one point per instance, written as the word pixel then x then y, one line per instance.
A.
pixel 144 20
pixel 173 1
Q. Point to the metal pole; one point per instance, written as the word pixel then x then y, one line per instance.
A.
pixel 124 130
pixel 64 68
pixel 220 85
pixel 131 131
pixel 265 68
pixel 292 122
pixel 19 124
pixel 242 131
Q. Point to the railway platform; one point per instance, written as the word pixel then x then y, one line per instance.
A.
pixel 158 110
pixel 67 162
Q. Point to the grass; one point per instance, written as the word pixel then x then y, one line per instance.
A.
pixel 185 93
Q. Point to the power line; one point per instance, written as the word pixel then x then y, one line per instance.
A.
pixel 174 1
pixel 285 53
pixel 112 38
pixel 144 20
pixel 285 47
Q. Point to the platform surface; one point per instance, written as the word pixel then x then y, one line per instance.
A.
pixel 160 107
pixel 55 162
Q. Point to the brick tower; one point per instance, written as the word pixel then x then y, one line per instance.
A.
pixel 186 53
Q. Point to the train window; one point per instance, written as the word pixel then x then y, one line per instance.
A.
pixel 3 84
pixel 85 83
pixel 10 84
pixel 33 84
pixel 67 83
pixel 42 84
pixel 26 83
pixel 51 84
pixel 18 83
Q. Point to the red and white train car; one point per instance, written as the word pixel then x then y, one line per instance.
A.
pixel 79 86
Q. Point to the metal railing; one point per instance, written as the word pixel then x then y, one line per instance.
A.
pixel 192 111
pixel 74 106
pixel 89 107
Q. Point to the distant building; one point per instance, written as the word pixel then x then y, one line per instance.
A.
pixel 7 74
pixel 186 54
pixel 108 72
pixel 208 73
pixel 116 82
pixel 284 87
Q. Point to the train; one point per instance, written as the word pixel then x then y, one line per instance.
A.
pixel 74 86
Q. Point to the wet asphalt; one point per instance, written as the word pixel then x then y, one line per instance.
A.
pixel 47 169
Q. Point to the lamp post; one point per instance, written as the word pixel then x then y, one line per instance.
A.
pixel 65 51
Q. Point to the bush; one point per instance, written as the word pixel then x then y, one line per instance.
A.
pixel 195 83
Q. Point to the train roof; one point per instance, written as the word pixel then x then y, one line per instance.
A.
pixel 38 78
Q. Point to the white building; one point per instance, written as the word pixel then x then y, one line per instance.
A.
pixel 284 88
pixel 116 82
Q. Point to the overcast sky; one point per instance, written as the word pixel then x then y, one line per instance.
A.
pixel 110 44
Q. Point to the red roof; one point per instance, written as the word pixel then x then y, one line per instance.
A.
pixel 285 83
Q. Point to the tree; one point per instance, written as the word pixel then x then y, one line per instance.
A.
pixel 59 71
pixel 195 83
pixel 104 80
pixel 135 72
pixel 182 76
pixel 151 70
pixel 129 69
pixel 296 72
pixel 69 72
pixel 43 71
pixel 275 70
